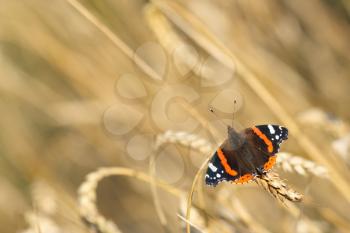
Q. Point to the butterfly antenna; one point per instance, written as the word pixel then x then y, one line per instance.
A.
pixel 234 109
pixel 211 109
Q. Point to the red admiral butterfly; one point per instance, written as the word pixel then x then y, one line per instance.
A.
pixel 245 155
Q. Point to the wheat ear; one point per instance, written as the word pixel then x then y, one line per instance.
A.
pixel 302 166
pixel 87 196
pixel 278 188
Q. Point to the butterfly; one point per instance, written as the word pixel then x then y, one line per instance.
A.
pixel 245 155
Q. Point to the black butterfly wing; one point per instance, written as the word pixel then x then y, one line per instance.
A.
pixel 265 140
pixel 270 137
pixel 228 164
pixel 216 172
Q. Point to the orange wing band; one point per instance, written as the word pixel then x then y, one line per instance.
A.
pixel 269 164
pixel 244 179
pixel 264 138
pixel 224 163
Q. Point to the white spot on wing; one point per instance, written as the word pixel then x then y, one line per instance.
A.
pixel 277 137
pixel 212 167
pixel 272 130
pixel 218 175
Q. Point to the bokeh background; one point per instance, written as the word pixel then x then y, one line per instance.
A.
pixel 91 83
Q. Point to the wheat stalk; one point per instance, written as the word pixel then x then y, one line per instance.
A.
pixel 155 196
pixel 192 224
pixel 197 220
pixel 115 39
pixel 170 39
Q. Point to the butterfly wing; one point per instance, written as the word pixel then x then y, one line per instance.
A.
pixel 229 165
pixel 241 164
pixel 217 170
pixel 266 140
pixel 270 137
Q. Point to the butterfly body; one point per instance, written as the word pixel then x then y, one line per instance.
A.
pixel 245 155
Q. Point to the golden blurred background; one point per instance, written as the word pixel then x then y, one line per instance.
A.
pixel 87 84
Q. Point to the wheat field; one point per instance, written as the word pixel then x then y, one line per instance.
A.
pixel 105 124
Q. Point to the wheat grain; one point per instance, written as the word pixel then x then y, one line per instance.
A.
pixel 87 203
pixel 193 141
pixel 278 188
pixel 302 166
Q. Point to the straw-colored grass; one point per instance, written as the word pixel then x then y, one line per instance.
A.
pixel 113 96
